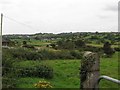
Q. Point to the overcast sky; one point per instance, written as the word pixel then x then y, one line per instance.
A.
pixel 57 16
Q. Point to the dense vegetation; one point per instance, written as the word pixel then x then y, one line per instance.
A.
pixel 56 58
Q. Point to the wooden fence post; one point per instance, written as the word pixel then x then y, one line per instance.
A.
pixel 90 67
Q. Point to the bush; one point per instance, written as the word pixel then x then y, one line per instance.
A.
pixel 76 54
pixel 21 53
pixel 42 71
pixel 47 54
pixel 8 77
pixel 92 48
pixel 117 49
pixel 7 61
pixel 80 43
pixel 64 55
pixel 44 54
pixel 8 82
pixel 107 49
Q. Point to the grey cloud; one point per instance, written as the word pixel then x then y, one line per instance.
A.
pixel 111 8
pixel 104 16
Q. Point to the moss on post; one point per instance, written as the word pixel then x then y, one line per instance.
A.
pixel 89 70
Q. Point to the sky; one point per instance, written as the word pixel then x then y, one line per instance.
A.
pixel 58 16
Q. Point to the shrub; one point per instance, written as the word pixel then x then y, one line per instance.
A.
pixel 47 54
pixel 42 71
pixel 64 55
pixel 44 54
pixel 25 72
pixel 117 49
pixel 7 61
pixel 18 53
pixel 92 48
pixel 76 54
pixel 107 49
pixel 8 82
pixel 32 56
pixel 80 43
pixel 21 53
pixel 8 77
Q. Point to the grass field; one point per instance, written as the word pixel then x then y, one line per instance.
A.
pixel 33 42
pixel 101 45
pixel 66 73
pixel 42 43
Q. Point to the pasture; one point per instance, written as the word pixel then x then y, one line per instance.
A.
pixel 66 73
pixel 57 59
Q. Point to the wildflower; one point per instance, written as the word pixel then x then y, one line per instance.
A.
pixel 43 84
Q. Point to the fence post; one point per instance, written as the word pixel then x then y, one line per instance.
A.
pixel 90 67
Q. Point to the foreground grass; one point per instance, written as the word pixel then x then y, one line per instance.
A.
pixel 109 67
pixel 66 73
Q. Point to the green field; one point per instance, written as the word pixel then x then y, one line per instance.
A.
pixel 101 45
pixel 62 55
pixel 66 73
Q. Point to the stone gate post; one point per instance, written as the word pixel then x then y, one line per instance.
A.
pixel 89 72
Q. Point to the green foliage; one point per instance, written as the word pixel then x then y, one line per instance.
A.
pixel 43 54
pixel 79 43
pixel 92 49
pixel 8 82
pixel 21 54
pixel 8 77
pixel 110 67
pixel 70 44
pixel 76 54
pixel 117 48
pixel 7 61
pixel 47 54
pixel 65 44
pixel 66 74
pixel 34 70
pixel 24 42
pixel 44 71
pixel 107 49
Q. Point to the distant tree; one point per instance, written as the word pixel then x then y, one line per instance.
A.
pixel 96 32
pixel 47 45
pixel 69 44
pixel 60 43
pixel 79 43
pixel 24 43
pixel 65 44
pixel 94 37
pixel 107 49
pixel 37 38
